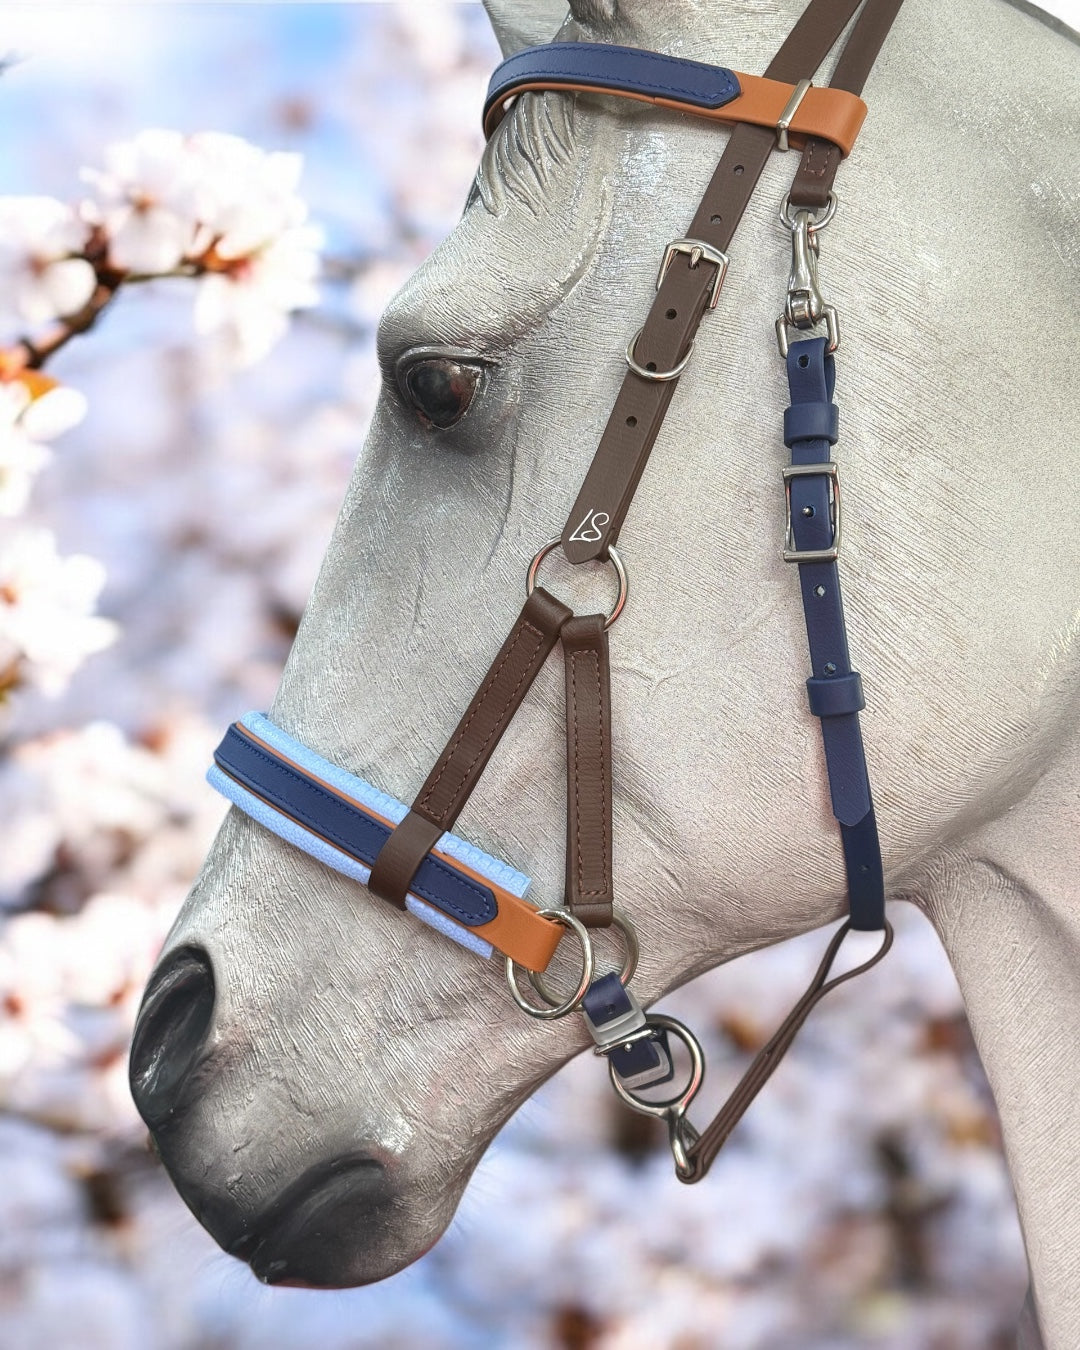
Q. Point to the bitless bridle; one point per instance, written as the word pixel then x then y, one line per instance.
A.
pixel 406 854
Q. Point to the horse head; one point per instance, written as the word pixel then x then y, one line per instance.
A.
pixel 321 1074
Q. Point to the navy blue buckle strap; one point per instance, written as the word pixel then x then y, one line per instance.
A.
pixel 811 428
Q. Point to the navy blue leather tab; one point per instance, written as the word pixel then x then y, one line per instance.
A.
pixel 836 694
pixel 811 421
pixel 346 826
pixel 596 65
pixel 811 377
pixel 606 999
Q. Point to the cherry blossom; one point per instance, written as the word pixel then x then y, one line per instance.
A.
pixel 41 275
pixel 32 409
pixel 46 609
pixel 143 200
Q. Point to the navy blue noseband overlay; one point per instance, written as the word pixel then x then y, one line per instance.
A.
pixel 595 65
pixel 347 826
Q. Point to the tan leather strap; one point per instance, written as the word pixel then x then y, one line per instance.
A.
pixel 589 886
pixel 460 765
pixel 821 158
pixel 711 1140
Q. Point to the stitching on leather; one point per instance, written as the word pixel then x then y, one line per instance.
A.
pixel 807 167
pixel 604 878
pixel 485 689
pixel 728 85
pixel 350 813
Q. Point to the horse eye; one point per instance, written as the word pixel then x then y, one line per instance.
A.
pixel 440 389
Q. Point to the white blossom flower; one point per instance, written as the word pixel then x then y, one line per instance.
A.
pixel 32 409
pixel 40 279
pixel 249 303
pixel 243 197
pixel 46 609
pixel 144 201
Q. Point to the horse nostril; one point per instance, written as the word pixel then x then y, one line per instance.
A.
pixel 169 1033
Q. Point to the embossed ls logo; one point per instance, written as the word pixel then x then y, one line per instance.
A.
pixel 591 529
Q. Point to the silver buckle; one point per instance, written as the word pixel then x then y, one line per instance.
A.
pixel 789 552
pixel 791 107
pixel 697 249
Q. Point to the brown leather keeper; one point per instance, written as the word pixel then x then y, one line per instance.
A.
pixel 589 888
pixel 397 861
pixel 505 685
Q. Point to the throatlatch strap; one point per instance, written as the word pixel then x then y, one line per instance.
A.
pixel 589 885
pixel 711 1140
pixel 460 765
pixel 821 158
pixel 811 428
pixel 685 289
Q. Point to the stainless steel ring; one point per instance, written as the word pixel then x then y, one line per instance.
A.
pixel 660 376
pixel 612 557
pixel 567 919
pixel 626 974
pixel 676 1105
pixel 813 225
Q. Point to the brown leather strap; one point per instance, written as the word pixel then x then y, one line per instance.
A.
pixel 471 746
pixel 589 887
pixel 602 503
pixel 821 158
pixel 712 1139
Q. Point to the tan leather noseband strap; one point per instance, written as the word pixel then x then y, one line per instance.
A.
pixel 589 880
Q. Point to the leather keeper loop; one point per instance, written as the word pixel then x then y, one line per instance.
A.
pixel 811 422
pixel 399 859
pixel 836 695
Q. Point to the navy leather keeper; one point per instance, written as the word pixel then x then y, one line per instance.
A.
pixel 811 422
pixel 594 65
pixel 347 826
pixel 836 694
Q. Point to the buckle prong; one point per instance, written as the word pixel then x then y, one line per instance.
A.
pixel 697 249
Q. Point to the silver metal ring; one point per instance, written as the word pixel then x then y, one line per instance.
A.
pixel 612 557
pixel 670 1106
pixel 658 375
pixel 564 917
pixel 633 951
pixel 813 225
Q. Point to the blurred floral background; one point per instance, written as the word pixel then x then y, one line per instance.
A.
pixel 204 209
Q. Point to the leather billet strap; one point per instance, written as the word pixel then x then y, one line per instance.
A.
pixel 811 428
pixel 821 156
pixel 712 1139
pixel 460 765
pixel 685 289
pixel 344 822
pixel 589 882
pixel 834 115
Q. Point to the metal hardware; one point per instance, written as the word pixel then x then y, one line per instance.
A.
pixel 660 376
pixel 633 951
pixel 791 107
pixel 681 1134
pixel 564 917
pixel 697 249
pixel 612 557
pixel 789 552
pixel 805 306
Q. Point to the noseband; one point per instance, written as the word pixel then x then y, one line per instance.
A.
pixel 405 854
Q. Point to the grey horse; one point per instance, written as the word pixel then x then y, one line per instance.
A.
pixel 294 1051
